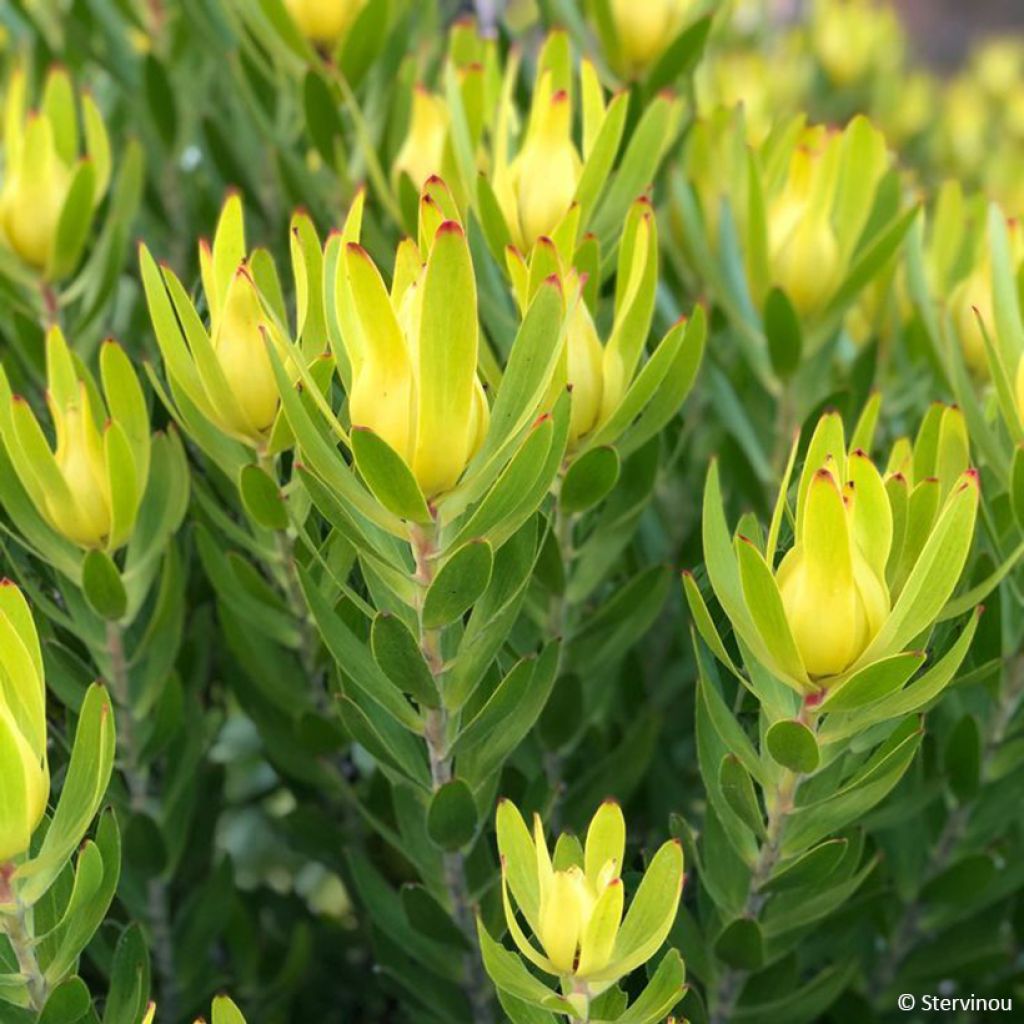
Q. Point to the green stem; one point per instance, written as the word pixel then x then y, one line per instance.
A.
pixel 136 777
pixel 475 984
pixel 780 803
pixel 15 924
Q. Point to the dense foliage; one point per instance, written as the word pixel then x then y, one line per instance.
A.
pixel 507 514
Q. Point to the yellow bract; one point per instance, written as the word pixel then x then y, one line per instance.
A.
pixel 239 331
pixel 574 902
pixel 805 257
pixel 413 355
pixel 23 764
pixel 89 485
pixel 42 159
pixel 324 21
pixel 835 599
pixel 537 188
pixel 422 152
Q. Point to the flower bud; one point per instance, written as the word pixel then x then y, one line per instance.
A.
pixel 413 357
pixel 23 764
pixel 422 152
pixel 89 488
pixel 41 161
pixel 243 398
pixel 239 335
pixel 805 258
pixel 834 601
pixel 575 910
pixel 864 577
pixel 537 189
pixel 324 21
pixel 643 31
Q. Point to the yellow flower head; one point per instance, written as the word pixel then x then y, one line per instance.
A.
pixel 422 152
pixel 804 249
pixel 242 390
pixel 324 21
pixel 43 159
pixel 537 189
pixel 853 38
pixel 643 31
pixel 23 764
pixel 832 580
pixel 573 903
pixel 89 487
pixel 413 355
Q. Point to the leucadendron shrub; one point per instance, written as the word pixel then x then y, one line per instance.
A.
pixel 46 921
pixel 577 930
pixel 838 613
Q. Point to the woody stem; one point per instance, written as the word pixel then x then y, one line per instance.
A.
pixel 15 925
pixel 475 985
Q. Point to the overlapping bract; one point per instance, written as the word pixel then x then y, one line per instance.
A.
pixel 90 486
pixel 874 558
pixel 53 180
pixel 573 903
pixel 411 352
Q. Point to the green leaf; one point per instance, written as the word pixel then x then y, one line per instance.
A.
pixel 809 869
pixel 873 682
pixel 429 918
pixel 323 120
pixel 738 790
pixel 451 817
pixel 69 1003
pixel 388 477
pixel 740 945
pixel 963 758
pixel 461 581
pixel 511 975
pixel 782 329
pixel 1017 485
pixel 102 585
pixel 398 653
pixel 75 220
pixel 92 758
pixel 160 100
pixel 662 993
pixel 128 993
pixel 262 499
pixel 589 479
pixel 793 746
pixel 680 57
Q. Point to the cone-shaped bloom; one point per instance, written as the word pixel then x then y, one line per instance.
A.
pixel 873 562
pixel 599 375
pixel 643 31
pixel 804 248
pixel 89 487
pixel 412 354
pixel 23 765
pixel 324 21
pixel 422 152
pixel 225 372
pixel 46 170
pixel 972 307
pixel 573 903
pixel 835 600
pixel 537 188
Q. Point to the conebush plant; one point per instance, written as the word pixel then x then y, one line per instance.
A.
pixel 523 419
